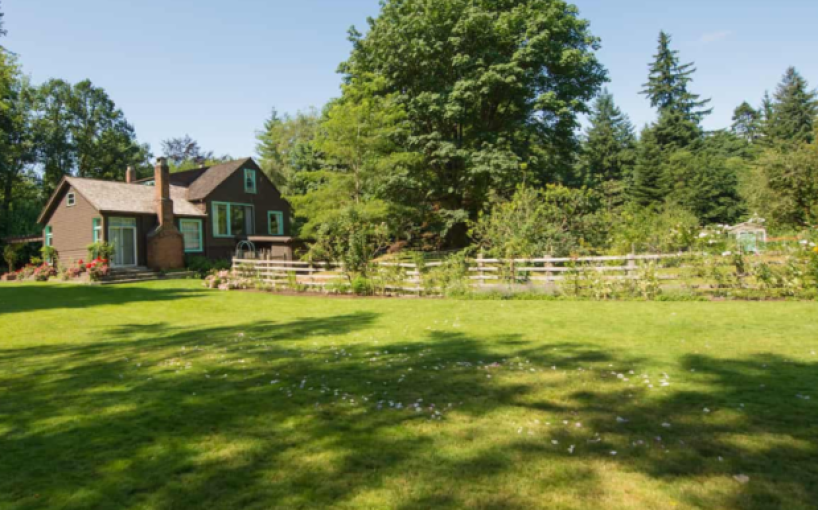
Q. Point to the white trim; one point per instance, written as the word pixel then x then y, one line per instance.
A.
pixel 71 199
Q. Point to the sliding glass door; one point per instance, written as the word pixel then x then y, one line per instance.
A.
pixel 122 236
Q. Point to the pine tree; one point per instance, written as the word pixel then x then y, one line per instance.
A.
pixel 648 185
pixel 2 32
pixel 667 86
pixel 794 110
pixel 609 145
pixel 747 122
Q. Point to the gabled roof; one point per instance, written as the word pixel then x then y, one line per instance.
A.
pixel 202 181
pixel 215 175
pixel 121 197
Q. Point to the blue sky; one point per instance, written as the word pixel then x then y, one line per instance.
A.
pixel 214 69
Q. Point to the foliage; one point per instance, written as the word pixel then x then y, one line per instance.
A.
pixel 491 94
pixel 101 250
pixel 286 148
pixel 49 253
pixel 609 146
pixel 556 221
pixel 666 229
pixel 80 131
pixel 44 271
pixel 449 278
pixel 354 237
pixel 204 266
pixel 747 122
pixel 185 153
pixel 795 108
pixel 783 186
pixel 11 255
pixel 667 86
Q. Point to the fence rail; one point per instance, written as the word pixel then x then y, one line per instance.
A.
pixel 480 272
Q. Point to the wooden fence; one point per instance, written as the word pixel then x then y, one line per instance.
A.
pixel 481 272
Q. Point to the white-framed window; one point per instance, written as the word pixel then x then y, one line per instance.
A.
pixel 192 233
pixel 71 199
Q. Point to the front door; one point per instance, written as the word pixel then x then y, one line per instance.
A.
pixel 122 236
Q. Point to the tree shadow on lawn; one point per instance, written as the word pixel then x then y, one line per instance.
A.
pixel 259 417
pixel 16 298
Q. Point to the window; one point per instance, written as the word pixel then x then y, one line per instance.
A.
pixel 230 220
pixel 97 230
pixel 49 236
pixel 71 200
pixel 249 181
pixel 192 232
pixel 275 223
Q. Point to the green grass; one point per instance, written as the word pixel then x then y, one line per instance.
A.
pixel 166 396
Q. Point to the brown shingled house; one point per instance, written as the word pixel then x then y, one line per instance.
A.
pixel 154 222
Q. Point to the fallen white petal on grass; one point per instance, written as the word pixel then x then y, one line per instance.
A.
pixel 742 479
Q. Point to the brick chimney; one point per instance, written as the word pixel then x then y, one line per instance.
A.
pixel 130 175
pixel 166 247
pixel 164 204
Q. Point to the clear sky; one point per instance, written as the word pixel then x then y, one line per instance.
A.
pixel 214 69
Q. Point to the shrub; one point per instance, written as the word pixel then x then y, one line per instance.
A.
pixel 11 254
pixel 361 286
pixel 49 254
pixel 43 272
pixel 100 250
pixel 97 269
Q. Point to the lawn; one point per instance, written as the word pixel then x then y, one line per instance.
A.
pixel 163 395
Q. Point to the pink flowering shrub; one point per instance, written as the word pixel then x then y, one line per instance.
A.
pixel 227 280
pixel 43 272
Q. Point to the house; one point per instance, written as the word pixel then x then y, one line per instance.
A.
pixel 155 222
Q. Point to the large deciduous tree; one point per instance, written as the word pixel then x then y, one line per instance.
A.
pixel 491 91
pixel 784 185
pixel 80 131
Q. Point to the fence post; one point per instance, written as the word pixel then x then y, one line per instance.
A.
pixel 482 282
pixel 548 274
pixel 631 271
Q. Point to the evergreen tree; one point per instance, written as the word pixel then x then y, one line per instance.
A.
pixel 2 31
pixel 647 187
pixel 610 143
pixel 286 148
pixel 747 122
pixel 766 112
pixel 667 86
pixel 794 110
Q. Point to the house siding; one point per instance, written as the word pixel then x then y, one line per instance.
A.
pixel 72 227
pixel 267 198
